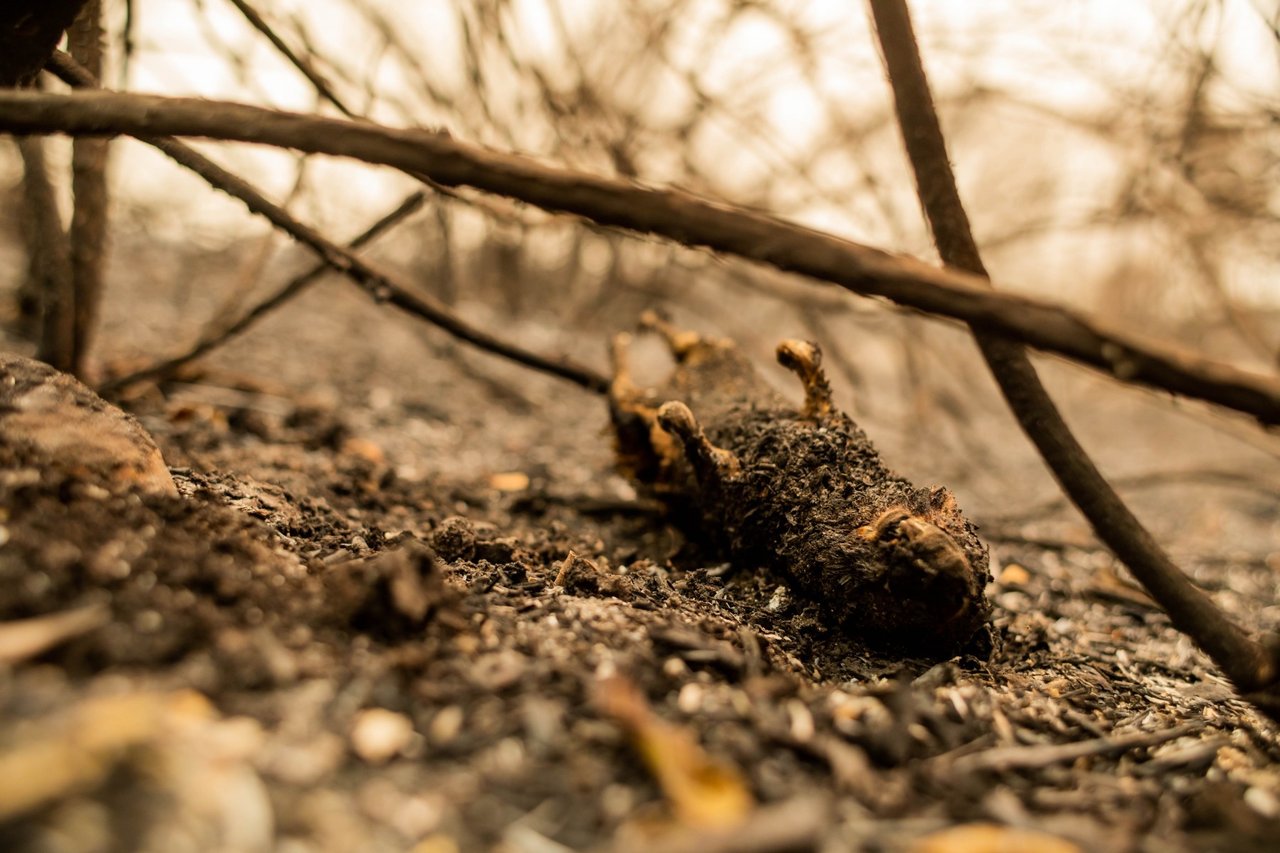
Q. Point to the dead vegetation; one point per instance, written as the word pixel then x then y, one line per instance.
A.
pixel 424 622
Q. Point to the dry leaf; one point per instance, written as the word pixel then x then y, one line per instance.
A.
pixel 702 792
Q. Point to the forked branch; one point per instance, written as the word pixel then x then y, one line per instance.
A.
pixel 382 285
pixel 291 290
pixel 1253 666
pixel 677 215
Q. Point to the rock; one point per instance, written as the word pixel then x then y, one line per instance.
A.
pixel 52 423
pixel 378 735
pixel 118 757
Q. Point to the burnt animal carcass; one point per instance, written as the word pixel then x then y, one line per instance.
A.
pixel 803 492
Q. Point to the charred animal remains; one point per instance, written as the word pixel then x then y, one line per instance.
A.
pixel 802 492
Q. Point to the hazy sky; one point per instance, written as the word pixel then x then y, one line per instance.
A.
pixel 1073 57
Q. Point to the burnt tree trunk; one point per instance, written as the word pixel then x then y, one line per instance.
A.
pixel 29 31
pixel 48 265
pixel 88 236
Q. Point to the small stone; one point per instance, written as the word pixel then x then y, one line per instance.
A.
pixel 378 735
pixel 1262 801
pixel 445 725
pixel 1014 575
pixel 363 448
pixel 509 481
pixel 691 698
pixel 780 600
pixel 499 670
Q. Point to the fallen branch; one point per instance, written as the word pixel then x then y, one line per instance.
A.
pixel 295 287
pixel 1250 664
pixel 670 213
pixel 383 286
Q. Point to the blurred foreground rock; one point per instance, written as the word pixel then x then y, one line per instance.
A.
pixel 52 423
pixel 137 771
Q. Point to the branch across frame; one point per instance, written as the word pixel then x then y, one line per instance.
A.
pixel 376 282
pixel 672 214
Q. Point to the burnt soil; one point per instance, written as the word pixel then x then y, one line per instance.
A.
pixel 321 464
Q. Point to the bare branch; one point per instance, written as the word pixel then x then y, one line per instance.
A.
pixel 1248 663
pixel 294 288
pixel 670 213
pixel 48 262
pixel 381 285
pixel 308 70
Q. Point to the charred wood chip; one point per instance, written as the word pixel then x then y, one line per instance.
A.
pixel 584 577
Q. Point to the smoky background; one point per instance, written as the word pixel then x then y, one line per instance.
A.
pixel 1121 160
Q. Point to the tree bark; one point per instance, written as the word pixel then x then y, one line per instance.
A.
pixel 680 216
pixel 49 267
pixel 88 236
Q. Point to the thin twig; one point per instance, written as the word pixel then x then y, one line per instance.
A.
pixel 295 287
pixel 249 270
pixel 670 213
pixel 1002 759
pixel 23 639
pixel 308 70
pixel 383 286
pixel 1248 663
pixel 323 87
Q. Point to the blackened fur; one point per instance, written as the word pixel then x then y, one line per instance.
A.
pixel 805 500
